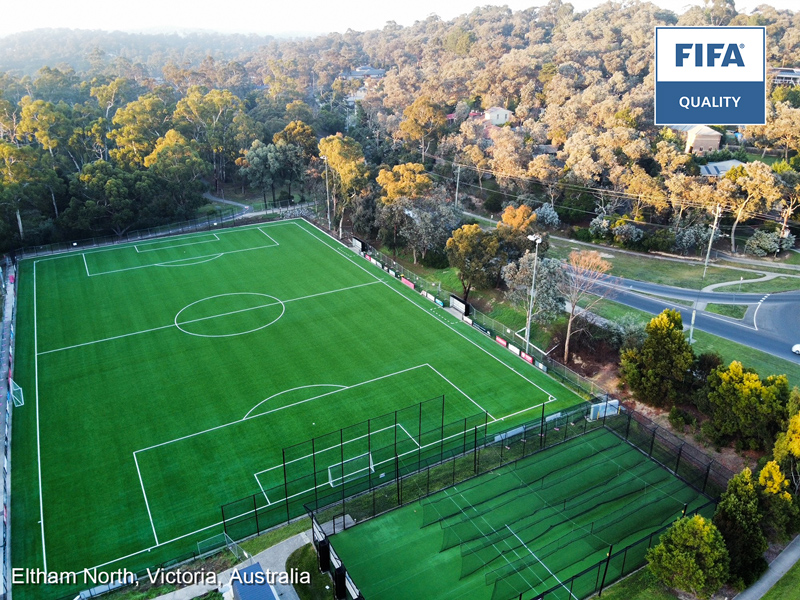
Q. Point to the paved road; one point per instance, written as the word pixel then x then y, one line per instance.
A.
pixel 772 323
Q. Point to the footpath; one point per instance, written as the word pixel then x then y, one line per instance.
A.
pixel 776 570
pixel 273 559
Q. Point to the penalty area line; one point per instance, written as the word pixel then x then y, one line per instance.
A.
pixel 146 503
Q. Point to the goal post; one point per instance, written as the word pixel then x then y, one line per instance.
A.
pixel 15 393
pixel 351 469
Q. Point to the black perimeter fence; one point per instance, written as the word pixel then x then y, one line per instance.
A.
pixel 224 218
pixel 331 514
pixel 345 464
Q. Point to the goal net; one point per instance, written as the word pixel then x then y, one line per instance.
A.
pixel 15 393
pixel 351 469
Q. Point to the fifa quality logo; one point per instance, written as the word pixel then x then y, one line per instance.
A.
pixel 710 75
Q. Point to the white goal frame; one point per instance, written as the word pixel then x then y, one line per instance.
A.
pixel 15 391
pixel 348 477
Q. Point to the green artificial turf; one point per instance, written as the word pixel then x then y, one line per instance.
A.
pixel 524 528
pixel 163 379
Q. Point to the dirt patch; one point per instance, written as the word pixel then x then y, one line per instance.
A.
pixel 727 457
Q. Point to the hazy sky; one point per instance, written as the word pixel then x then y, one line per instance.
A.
pixel 265 16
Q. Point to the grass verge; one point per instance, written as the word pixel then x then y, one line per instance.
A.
pixel 783 283
pixel 639 586
pixel 788 586
pixel 275 536
pixel 305 559
pixel 735 311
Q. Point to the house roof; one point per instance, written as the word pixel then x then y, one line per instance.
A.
pixel 703 130
pixel 496 109
pixel 718 169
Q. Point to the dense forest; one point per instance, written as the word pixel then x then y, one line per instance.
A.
pixel 102 133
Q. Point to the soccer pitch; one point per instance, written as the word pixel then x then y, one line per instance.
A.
pixel 523 529
pixel 163 378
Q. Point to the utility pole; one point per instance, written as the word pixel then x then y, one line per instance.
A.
pixel 458 178
pixel 717 213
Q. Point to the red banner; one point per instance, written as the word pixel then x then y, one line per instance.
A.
pixel 526 358
pixel 407 282
pixel 501 341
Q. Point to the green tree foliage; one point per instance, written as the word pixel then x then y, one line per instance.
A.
pixel 474 253
pixel 744 407
pixel 659 373
pixel 349 171
pixel 137 127
pixel 739 519
pixel 787 445
pixel 428 224
pixel 549 303
pixel 777 504
pixel 103 199
pixel 299 134
pixel 422 121
pixel 691 556
pixel 255 167
pixel 179 170
pixel 408 180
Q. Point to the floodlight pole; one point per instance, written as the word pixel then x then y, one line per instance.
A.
pixel 327 192
pixel 537 239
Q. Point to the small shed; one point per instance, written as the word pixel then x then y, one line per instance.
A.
pixel 252 584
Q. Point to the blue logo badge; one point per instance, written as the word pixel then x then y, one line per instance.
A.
pixel 710 75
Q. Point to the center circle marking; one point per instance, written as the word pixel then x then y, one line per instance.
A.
pixel 276 302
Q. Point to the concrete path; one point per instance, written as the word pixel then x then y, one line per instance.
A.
pixel 776 570
pixel 273 559
pixel 710 288
pixel 212 197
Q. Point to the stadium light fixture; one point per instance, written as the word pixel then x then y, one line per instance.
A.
pixel 537 239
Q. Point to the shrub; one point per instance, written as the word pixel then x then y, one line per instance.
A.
pixel 691 556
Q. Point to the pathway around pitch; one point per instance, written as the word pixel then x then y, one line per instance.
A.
pixel 777 569
pixel 272 559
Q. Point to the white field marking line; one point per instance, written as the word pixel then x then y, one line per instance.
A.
pixel 639 477
pixel 464 394
pixel 85 264
pixel 261 487
pixel 408 434
pixel 301 387
pixel 330 448
pixel 184 262
pixel 175 539
pixel 375 465
pixel 269 236
pixel 501 554
pixel 445 323
pixel 146 503
pixel 524 410
pixel 129 244
pixel 136 246
pixel 169 262
pixel 330 393
pixel 274 410
pixel 561 583
pixel 241 310
pixel 38 434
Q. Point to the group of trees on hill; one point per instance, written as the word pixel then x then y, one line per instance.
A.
pixel 79 148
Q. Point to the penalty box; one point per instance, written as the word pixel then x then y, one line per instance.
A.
pixel 184 481
pixel 177 251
